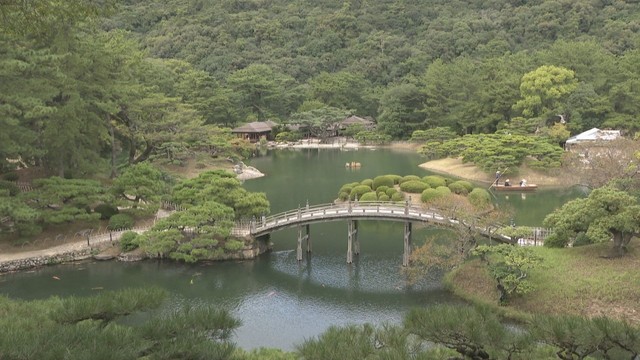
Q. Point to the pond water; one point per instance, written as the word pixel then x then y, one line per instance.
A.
pixel 280 301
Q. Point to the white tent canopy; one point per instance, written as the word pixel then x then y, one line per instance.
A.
pixel 594 134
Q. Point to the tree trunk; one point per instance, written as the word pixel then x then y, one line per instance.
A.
pixel 145 154
pixel 620 241
pixel 112 132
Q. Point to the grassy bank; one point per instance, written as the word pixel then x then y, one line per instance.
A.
pixel 571 281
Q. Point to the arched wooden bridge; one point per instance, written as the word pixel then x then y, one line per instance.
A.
pixel 352 212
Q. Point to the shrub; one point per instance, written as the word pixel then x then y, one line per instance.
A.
pixel 380 181
pixel 443 190
pixel 383 197
pixel 9 187
pixel 344 196
pixel 11 176
pixel 129 241
pixel 120 221
pixel 397 196
pixel 348 187
pixel 409 178
pixel 233 245
pixel 435 180
pixel 413 186
pixel 382 189
pixel 458 188
pixel 106 211
pixel 370 196
pixel 467 185
pixel 429 195
pixel 479 198
pixel 396 178
pixel 368 182
pixel 359 191
pixel 391 191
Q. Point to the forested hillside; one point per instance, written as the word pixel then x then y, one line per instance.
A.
pixel 89 83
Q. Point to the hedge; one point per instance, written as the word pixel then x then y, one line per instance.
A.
pixel 129 241
pixel 467 186
pixel 120 221
pixel 479 198
pixel 370 196
pixel 359 191
pixel 368 182
pixel 106 211
pixel 397 196
pixel 384 180
pixel 458 188
pixel 413 186
pixel 435 180
pixel 409 178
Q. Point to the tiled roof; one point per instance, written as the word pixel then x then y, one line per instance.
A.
pixel 255 127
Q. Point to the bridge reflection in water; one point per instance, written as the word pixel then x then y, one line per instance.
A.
pixel 303 217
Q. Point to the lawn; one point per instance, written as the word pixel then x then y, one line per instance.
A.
pixel 573 280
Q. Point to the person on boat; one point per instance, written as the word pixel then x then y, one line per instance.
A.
pixel 507 182
pixel 523 182
pixel 498 177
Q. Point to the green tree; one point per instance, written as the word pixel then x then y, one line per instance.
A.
pixel 322 122
pixel 544 90
pixel 607 214
pixel 474 333
pixel 510 266
pixel 401 111
pixel 140 183
pixel 264 91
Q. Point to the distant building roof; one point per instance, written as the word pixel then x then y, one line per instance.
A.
pixel 594 135
pixel 255 127
pixel 354 120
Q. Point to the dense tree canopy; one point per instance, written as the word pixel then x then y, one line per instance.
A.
pixel 608 214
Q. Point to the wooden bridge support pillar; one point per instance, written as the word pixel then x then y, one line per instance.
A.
pixel 407 244
pixel 352 233
pixel 301 238
pixel 308 238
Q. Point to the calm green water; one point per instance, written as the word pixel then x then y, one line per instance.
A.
pixel 280 301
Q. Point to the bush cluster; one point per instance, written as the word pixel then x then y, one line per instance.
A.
pixel 120 221
pixel 413 186
pixel 106 211
pixel 129 241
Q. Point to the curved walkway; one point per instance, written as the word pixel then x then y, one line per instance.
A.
pixel 355 211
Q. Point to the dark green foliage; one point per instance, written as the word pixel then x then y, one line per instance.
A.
pixel 413 186
pixel 106 211
pixel 129 241
pixel 370 196
pixel 120 221
pixel 358 191
pixel 11 188
pixel 409 178
pixel 606 214
pixel 435 180
pixel 438 134
pixel 11 176
pixel 343 196
pixel 384 180
pixel 499 151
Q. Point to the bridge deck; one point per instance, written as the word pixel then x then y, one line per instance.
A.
pixel 352 210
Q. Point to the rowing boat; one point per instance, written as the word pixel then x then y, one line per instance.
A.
pixel 515 188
